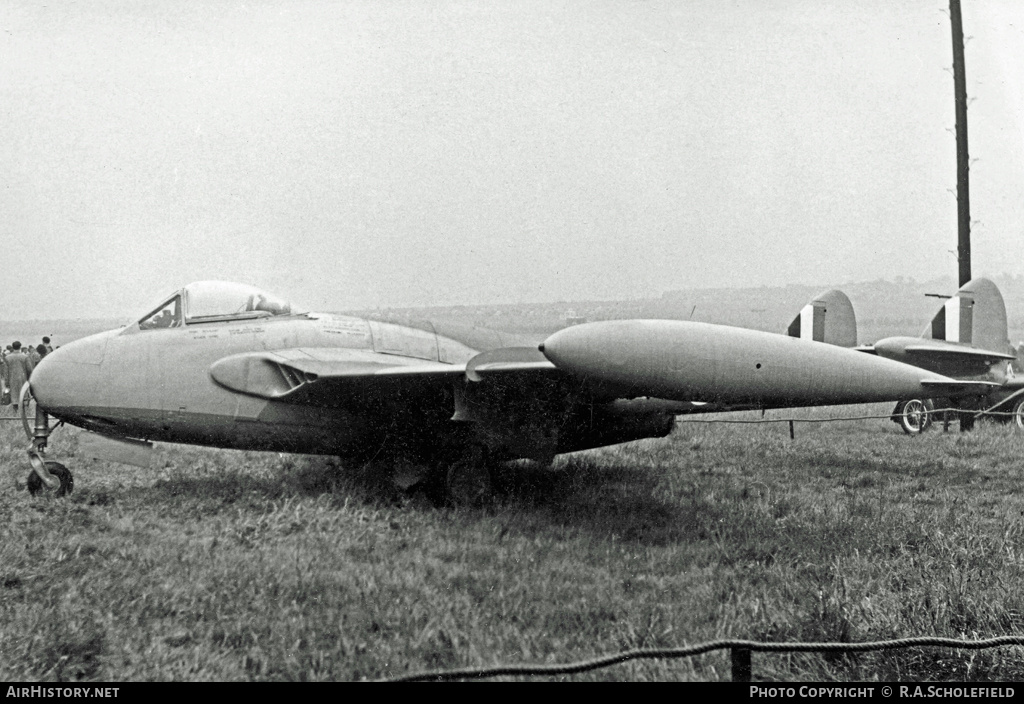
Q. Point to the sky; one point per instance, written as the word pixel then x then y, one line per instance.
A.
pixel 350 155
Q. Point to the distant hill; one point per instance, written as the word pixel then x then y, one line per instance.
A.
pixel 883 308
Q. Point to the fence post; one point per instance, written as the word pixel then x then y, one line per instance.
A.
pixel 740 664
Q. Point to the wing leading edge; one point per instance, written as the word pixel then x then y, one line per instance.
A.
pixel 311 375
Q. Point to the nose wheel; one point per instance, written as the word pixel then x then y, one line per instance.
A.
pixel 46 477
pixel 65 483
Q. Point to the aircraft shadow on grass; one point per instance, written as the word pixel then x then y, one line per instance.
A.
pixel 582 495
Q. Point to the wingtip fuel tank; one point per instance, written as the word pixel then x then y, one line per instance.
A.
pixel 691 361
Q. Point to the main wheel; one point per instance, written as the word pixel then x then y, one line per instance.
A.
pixel 37 486
pixel 468 479
pixel 1018 414
pixel 914 417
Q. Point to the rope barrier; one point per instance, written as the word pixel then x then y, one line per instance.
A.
pixel 934 413
pixel 741 650
pixel 781 420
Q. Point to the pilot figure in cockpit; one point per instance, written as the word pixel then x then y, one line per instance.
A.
pixel 164 320
pixel 260 302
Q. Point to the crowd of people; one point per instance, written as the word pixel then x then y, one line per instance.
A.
pixel 16 365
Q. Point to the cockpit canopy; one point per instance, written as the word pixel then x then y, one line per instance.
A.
pixel 214 301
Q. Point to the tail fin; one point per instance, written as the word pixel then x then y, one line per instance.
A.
pixel 976 316
pixel 829 317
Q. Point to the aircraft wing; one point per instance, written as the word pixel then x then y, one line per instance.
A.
pixel 951 353
pixel 944 352
pixel 954 388
pixel 508 361
pixel 316 375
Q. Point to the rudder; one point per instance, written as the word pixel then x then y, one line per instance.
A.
pixel 975 315
pixel 828 318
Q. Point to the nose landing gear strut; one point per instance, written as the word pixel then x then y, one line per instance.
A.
pixel 46 476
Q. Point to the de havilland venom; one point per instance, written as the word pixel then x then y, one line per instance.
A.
pixel 227 365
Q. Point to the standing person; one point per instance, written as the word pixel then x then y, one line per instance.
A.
pixel 33 354
pixel 4 395
pixel 19 369
pixel 46 343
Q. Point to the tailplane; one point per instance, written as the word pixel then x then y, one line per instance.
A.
pixel 829 318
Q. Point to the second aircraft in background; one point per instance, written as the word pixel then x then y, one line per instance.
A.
pixel 966 339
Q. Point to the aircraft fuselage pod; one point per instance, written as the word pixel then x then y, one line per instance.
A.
pixel 718 364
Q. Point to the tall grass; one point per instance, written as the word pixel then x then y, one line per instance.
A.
pixel 220 565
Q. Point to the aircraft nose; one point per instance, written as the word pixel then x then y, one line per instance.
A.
pixel 594 348
pixel 67 376
pixel 563 347
pixel 891 348
pixel 46 380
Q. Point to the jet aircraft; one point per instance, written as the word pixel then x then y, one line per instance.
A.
pixel 228 365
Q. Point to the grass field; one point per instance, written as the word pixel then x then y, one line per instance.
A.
pixel 219 565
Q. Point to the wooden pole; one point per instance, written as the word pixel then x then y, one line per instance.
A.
pixel 742 668
pixel 963 167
